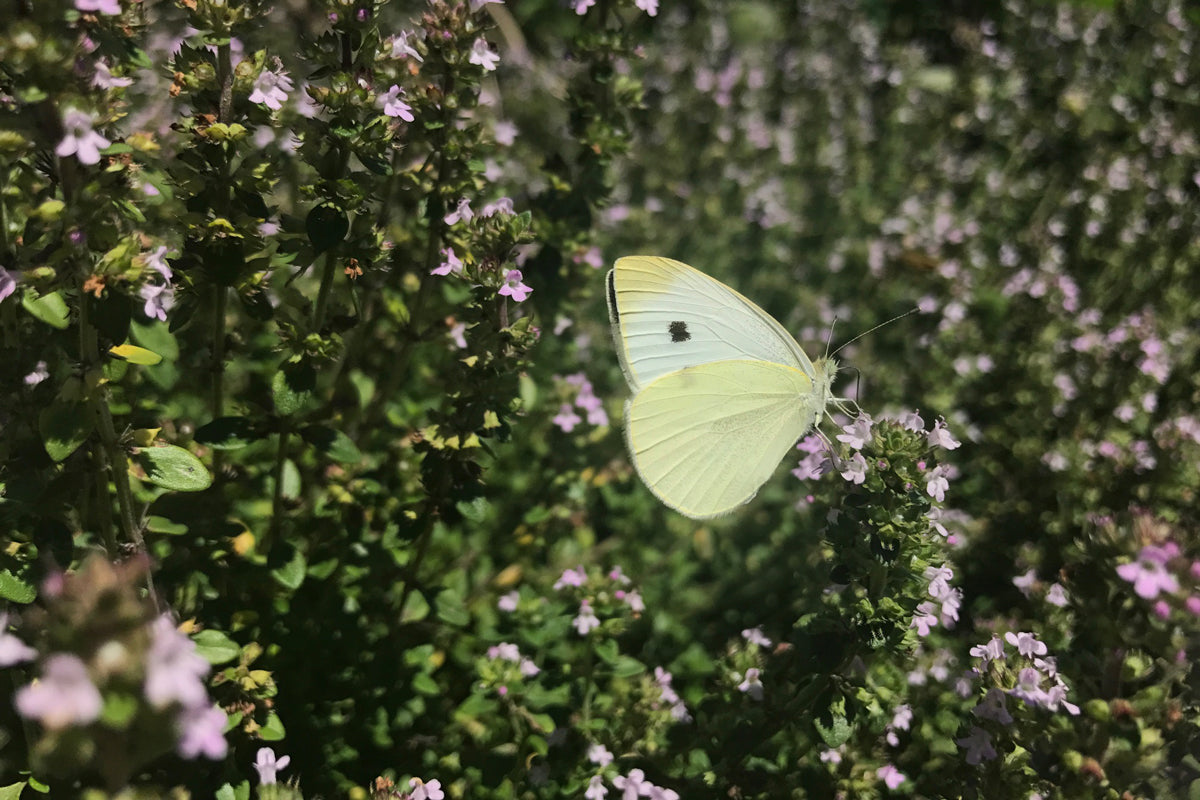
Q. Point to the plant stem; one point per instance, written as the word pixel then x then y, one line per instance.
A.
pixel 323 294
pixel 277 475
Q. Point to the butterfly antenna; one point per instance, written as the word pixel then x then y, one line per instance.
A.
pixel 829 338
pixel 910 312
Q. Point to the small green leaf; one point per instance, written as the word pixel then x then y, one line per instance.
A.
pixel 228 433
pixel 165 526
pixel 627 667
pixel 135 355
pixel 475 511
pixel 216 647
pixel 332 443
pixel 15 590
pixel 64 427
pixel 832 724
pixel 291 574
pixel 50 309
pixel 174 468
pixel 156 337
pixel 12 791
pixel 424 684
pixel 450 608
pixel 119 710
pixel 327 226
pixel 292 387
pixel 272 730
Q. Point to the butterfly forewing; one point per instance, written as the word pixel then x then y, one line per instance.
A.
pixel 667 316
pixel 705 438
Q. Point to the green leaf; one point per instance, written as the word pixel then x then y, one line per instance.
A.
pixel 119 710
pixel 272 730
pixel 475 511
pixel 50 309
pixel 14 589
pixel 327 226
pixel 228 433
pixel 424 684
pixel 227 792
pixel 292 387
pixel 174 468
pixel 64 427
pixel 216 647
pixel 291 574
pixel 332 443
pixel 607 651
pixel 450 608
pixel 627 667
pixel 12 791
pixel 135 355
pixel 156 337
pixel 832 724
pixel 165 526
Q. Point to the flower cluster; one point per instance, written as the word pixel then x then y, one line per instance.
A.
pixel 567 419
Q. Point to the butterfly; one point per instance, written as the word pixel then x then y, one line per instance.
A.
pixel 721 391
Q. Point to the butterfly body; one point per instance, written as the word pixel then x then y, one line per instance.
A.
pixel 721 390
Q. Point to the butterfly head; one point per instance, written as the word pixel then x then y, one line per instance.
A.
pixel 827 370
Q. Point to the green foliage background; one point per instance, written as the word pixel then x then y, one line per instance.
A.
pixel 351 492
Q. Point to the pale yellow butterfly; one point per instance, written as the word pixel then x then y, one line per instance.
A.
pixel 721 391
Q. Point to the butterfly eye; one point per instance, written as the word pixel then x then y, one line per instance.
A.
pixel 678 331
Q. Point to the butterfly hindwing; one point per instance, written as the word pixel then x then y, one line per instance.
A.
pixel 704 438
pixel 667 316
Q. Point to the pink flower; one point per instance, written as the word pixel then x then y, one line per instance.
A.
pixel 266 764
pixel 631 784
pixel 393 106
pixel 159 300
pixel 12 649
pixel 426 791
pixel 174 671
pixel 571 577
pixel 599 754
pixel 64 696
pixel 271 88
pixel 8 283
pixel 462 212
pixel 752 685
pixel 649 6
pixel 513 287
pixel 855 471
pixel 755 636
pixel 936 484
pixel 202 733
pixel 596 790
pixel 566 418
pixel 110 7
pixel 452 264
pixel 483 55
pixel 925 618
pixel 586 620
pixel 508 602
pixel 1026 643
pixel 857 433
pixel 1149 574
pixel 890 776
pixel 81 140
pixel 940 437
pixel 402 49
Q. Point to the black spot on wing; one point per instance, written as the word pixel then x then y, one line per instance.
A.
pixel 679 332
pixel 612 296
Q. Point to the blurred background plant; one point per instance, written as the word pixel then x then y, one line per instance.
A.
pixel 312 478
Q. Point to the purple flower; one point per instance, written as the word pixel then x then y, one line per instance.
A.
pixel 925 618
pixel 937 484
pixel 81 140
pixel 104 79
pixel 911 421
pixel 857 433
pixel 902 717
pixel 1026 581
pixel 110 7
pixel 402 49
pixel 461 212
pixel 266 764
pixel 631 784
pixel 12 649
pixel 599 754
pixel 64 696
pixel 1029 686
pixel 508 602
pixel 571 577
pixel 596 789
pixel 813 466
pixel 586 620
pixel 483 55
pixel 978 745
pixel 649 6
pixel 856 469
pixel 940 437
pixel 1056 595
pixel 513 287
pixel 271 88
pixel 452 264
pixel 890 776
pixel 581 6
pixel 157 261
pixel 174 671
pixel 755 636
pixel 992 650
pixel 8 283
pixel 994 707
pixel 159 300
pixel 566 418
pixel 393 106
pixel 751 685
pixel 1149 574
pixel 939 581
pixel 504 651
pixel 502 206
pixel 426 791
pixel 1026 643
pixel 202 733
